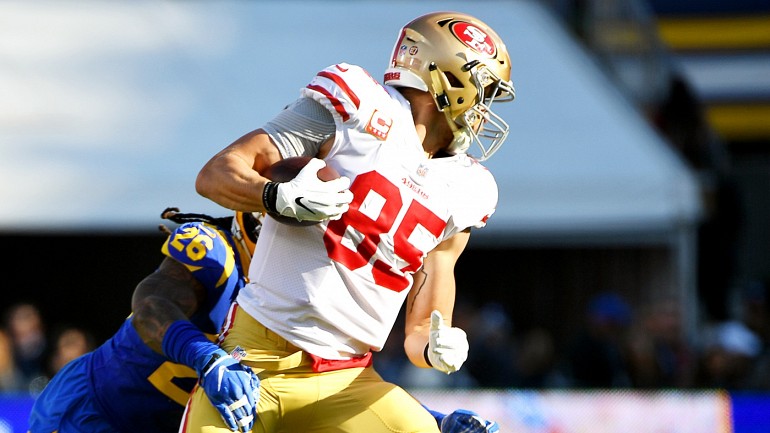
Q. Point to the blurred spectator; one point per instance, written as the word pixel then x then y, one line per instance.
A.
pixel 10 376
pixel 69 343
pixel 491 359
pixel 596 358
pixel 754 313
pixel 27 332
pixel 535 361
pixel 659 356
pixel 753 309
pixel 728 356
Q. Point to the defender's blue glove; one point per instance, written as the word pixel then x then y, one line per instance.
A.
pixel 466 421
pixel 232 387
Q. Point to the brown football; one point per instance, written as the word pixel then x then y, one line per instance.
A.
pixel 286 170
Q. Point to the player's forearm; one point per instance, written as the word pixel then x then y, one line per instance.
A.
pixel 169 294
pixel 414 347
pixel 231 178
pixel 151 318
pixel 227 181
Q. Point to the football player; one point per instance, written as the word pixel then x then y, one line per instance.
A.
pixel 123 386
pixel 140 379
pixel 321 298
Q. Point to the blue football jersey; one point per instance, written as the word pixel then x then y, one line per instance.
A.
pixel 138 389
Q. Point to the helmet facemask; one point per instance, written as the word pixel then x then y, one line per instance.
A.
pixel 477 124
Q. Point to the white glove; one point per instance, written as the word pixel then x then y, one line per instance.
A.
pixel 448 347
pixel 307 198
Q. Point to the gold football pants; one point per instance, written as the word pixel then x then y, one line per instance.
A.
pixel 295 399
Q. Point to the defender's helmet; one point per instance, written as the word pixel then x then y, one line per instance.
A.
pixel 244 227
pixel 465 66
pixel 245 230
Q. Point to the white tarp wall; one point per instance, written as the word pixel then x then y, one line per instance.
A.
pixel 110 108
pixel 595 411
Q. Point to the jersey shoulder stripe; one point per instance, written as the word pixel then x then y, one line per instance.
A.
pixel 336 103
pixel 342 89
pixel 339 81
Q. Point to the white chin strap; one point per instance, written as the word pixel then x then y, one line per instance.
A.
pixel 492 133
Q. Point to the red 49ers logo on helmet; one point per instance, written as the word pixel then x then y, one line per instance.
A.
pixel 475 37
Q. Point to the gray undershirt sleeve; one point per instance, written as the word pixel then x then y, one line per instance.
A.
pixel 301 128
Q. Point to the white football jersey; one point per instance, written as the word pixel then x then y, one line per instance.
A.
pixel 335 289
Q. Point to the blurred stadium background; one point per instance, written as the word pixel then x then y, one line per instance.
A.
pixel 635 189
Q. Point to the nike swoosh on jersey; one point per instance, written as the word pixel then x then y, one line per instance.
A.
pixel 298 200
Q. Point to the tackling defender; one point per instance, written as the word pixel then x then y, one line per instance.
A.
pixel 140 379
pixel 322 298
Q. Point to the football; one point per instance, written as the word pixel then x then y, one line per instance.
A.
pixel 286 170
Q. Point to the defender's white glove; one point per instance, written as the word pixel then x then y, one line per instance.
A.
pixel 448 347
pixel 307 198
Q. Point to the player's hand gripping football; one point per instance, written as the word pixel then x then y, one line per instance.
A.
pixel 447 346
pixel 307 198
pixel 466 421
pixel 232 387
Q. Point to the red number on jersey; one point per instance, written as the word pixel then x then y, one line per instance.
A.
pixel 373 193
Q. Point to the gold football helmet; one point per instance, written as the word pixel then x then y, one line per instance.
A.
pixel 245 229
pixel 465 65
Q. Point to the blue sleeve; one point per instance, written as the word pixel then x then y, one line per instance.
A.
pixel 437 415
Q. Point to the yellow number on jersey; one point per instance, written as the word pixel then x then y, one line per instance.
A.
pixel 162 380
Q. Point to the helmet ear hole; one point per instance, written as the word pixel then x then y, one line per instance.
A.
pixel 453 80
